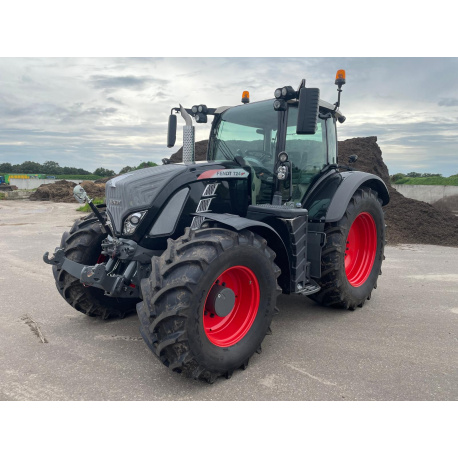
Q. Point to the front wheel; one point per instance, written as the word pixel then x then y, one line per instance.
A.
pixel 209 301
pixel 83 245
pixel 352 257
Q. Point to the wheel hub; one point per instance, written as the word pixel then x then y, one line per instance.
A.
pixel 220 301
pixel 231 306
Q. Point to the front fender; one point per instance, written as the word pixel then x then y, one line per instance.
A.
pixel 274 241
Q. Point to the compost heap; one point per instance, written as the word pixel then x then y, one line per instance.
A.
pixel 62 191
pixel 407 220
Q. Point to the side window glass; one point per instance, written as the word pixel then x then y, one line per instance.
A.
pixel 307 154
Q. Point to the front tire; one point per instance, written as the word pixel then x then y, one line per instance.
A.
pixel 352 257
pixel 83 245
pixel 179 318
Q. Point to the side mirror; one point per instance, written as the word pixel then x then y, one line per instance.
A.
pixel 80 194
pixel 172 131
pixel 309 104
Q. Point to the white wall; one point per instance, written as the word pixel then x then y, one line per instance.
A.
pixel 425 193
pixel 32 183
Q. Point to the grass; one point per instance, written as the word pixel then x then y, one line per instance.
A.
pixel 444 181
pixel 86 208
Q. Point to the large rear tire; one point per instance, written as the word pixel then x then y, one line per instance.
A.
pixel 83 244
pixel 352 257
pixel 179 317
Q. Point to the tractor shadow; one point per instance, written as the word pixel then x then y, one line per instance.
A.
pixel 298 319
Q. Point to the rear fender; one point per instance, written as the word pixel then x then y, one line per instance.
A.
pixel 329 201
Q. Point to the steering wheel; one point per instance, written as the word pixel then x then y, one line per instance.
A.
pixel 254 161
pixel 260 169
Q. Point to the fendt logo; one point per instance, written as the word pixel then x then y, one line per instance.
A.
pixel 230 173
pixel 223 173
pixel 115 202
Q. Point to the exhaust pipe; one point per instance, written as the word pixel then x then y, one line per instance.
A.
pixel 189 149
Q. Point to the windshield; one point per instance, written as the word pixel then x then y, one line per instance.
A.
pixel 249 132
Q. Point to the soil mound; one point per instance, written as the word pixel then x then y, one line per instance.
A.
pixel 407 220
pixel 447 203
pixel 94 190
pixel 201 152
pixel 62 191
pixel 104 180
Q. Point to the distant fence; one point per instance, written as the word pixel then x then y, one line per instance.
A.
pixel 32 183
pixel 428 194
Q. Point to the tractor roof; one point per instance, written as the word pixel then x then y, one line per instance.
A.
pixel 323 104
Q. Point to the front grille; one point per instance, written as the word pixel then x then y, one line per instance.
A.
pixel 137 190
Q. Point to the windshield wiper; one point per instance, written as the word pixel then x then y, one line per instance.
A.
pixel 227 153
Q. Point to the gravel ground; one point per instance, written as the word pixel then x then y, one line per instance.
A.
pixel 401 346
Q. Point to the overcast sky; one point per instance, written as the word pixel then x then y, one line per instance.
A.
pixel 112 112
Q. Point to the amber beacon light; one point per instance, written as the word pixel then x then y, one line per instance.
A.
pixel 340 77
pixel 245 97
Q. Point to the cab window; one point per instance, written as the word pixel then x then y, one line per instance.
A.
pixel 307 154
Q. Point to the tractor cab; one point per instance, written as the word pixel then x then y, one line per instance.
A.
pixel 258 136
pixel 285 143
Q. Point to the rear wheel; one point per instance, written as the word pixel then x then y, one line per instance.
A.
pixel 352 257
pixel 209 301
pixel 83 244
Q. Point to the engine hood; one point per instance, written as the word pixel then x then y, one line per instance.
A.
pixel 136 190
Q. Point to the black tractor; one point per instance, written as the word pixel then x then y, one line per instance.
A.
pixel 202 249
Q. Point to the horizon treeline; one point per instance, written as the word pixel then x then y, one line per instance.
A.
pixel 53 168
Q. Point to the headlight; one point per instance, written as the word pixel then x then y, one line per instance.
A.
pixel 132 221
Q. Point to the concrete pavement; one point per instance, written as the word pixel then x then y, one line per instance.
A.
pixel 401 346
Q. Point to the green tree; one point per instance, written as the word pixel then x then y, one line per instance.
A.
pixel 427 175
pixel 51 168
pixel 127 169
pixel 397 177
pixel 144 165
pixel 82 172
pixel 30 167
pixel 413 175
pixel 102 172
pixel 6 167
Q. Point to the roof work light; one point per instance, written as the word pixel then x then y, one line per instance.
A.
pixel 245 97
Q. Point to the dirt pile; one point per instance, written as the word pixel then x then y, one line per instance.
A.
pixel 62 191
pixel 447 203
pixel 104 180
pixel 201 152
pixel 407 220
pixel 94 190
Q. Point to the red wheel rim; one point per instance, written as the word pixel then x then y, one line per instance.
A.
pixel 228 330
pixel 360 249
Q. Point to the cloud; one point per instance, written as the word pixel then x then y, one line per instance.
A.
pixel 124 82
pixel 451 102
pixel 76 109
pixel 113 100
